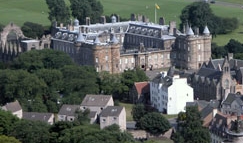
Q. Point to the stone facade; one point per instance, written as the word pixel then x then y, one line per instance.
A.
pixel 13 42
pixel 119 46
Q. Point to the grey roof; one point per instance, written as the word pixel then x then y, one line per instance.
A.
pixel 35 116
pixel 206 31
pixel 12 107
pixel 96 100
pixel 111 111
pixel 218 125
pixel 190 32
pixel 165 80
pixel 210 73
pixel 97 40
pixel 68 110
pixel 213 104
pixel 114 39
pixel 80 38
pixel 233 97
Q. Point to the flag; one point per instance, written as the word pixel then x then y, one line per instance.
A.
pixel 157 6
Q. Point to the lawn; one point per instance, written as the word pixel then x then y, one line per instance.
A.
pixel 128 108
pixel 20 11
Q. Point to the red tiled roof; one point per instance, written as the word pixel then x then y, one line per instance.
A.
pixel 142 87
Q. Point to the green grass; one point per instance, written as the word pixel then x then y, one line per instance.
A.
pixel 128 108
pixel 20 11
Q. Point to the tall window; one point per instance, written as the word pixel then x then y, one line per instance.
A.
pixel 96 59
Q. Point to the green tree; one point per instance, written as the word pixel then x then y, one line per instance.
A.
pixel 196 14
pixel 58 11
pixel 138 111
pixel 31 131
pixel 218 51
pixel 83 8
pixel 6 139
pixel 32 30
pixel 190 130
pixel 234 46
pixel 7 121
pixel 154 123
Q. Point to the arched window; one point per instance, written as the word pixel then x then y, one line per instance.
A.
pixel 226 84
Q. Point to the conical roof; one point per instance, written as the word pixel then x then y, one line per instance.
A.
pixel 97 40
pixel 80 38
pixel 114 40
pixel 206 31
pixel 190 32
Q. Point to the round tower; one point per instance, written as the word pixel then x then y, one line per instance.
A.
pixel 115 55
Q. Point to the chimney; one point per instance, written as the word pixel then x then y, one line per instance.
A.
pixel 133 17
pixel 140 17
pixel 143 18
pixel 61 25
pixel 102 20
pixel 230 56
pixel 87 20
pixel 161 21
pixel 174 31
pixel 118 18
pixel 82 29
pixel 172 26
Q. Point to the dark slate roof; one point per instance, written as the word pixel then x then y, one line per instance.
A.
pixel 217 62
pixel 68 110
pixel 214 104
pixel 210 73
pixel 13 106
pixel 96 100
pixel 166 81
pixel 232 97
pixel 111 111
pixel 34 116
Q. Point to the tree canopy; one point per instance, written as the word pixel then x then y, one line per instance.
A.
pixel 83 8
pixel 199 14
pixel 190 129
pixel 58 11
pixel 32 30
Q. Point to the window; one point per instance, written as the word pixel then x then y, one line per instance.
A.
pixel 126 61
pixel 120 61
pixel 168 56
pixel 132 60
pixel 106 58
pixel 114 118
pixel 199 46
pixel 103 120
pixel 96 59
pixel 189 59
pixel 199 57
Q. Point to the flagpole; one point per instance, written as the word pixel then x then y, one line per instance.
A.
pixel 155 15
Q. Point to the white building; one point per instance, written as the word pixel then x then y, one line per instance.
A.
pixel 169 93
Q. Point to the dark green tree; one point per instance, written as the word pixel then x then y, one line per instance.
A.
pixel 83 8
pixel 154 123
pixel 31 131
pixel 234 46
pixel 138 111
pixel 218 51
pixel 199 14
pixel 58 11
pixel 190 129
pixel 196 14
pixel 7 121
pixel 32 30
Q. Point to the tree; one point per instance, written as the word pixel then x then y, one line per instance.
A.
pixel 6 139
pixel 59 12
pixel 31 131
pixel 234 46
pixel 83 8
pixel 138 111
pixel 199 14
pixel 32 30
pixel 7 121
pixel 154 123
pixel 190 129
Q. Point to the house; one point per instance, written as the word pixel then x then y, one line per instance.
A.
pixel 140 92
pixel 67 112
pixel 35 116
pixel 14 108
pixel 233 104
pixel 169 92
pixel 113 115
pixel 93 117
pixel 96 102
